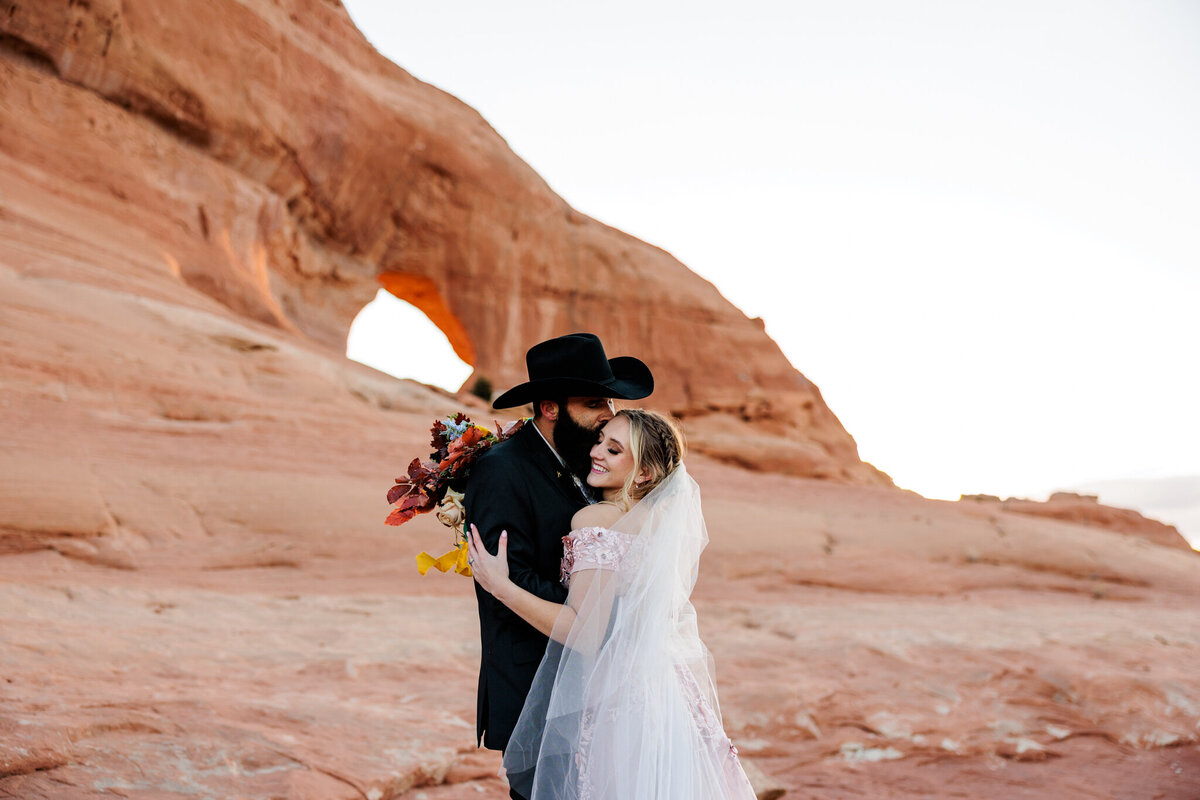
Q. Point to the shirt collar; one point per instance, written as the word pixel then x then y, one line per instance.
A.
pixel 587 496
pixel 547 441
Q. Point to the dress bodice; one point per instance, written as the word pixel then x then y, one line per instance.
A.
pixel 593 548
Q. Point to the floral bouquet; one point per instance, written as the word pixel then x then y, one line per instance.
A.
pixel 440 483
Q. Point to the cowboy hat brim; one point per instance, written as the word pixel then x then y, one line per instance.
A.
pixel 632 380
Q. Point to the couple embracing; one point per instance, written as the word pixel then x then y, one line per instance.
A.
pixel 585 545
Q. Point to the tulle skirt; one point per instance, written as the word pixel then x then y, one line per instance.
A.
pixel 657 739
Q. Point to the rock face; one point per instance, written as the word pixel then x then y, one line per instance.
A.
pixel 1086 509
pixel 283 168
pixel 198 596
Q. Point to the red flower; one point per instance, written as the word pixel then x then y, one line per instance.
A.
pixel 457 442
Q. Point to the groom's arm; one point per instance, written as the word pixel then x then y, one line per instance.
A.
pixel 498 500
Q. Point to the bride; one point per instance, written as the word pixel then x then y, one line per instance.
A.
pixel 623 705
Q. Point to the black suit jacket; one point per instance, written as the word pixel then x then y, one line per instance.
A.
pixel 517 486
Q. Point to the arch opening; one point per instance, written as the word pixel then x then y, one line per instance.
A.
pixel 407 331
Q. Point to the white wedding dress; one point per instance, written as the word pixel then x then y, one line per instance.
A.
pixel 624 706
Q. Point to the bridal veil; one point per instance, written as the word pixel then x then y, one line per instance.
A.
pixel 624 703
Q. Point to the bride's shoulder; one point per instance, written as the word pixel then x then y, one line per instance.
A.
pixel 597 515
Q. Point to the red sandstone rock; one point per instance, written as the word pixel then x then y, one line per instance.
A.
pixel 197 594
pixel 279 165
pixel 1087 510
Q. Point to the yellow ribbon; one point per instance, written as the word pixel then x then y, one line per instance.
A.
pixel 455 559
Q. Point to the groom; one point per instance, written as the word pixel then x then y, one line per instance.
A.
pixel 531 485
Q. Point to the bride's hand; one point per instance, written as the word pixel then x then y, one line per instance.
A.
pixel 490 571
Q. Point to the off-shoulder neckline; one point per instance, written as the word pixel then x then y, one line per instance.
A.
pixel 597 528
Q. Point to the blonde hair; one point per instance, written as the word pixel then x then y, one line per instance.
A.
pixel 656 444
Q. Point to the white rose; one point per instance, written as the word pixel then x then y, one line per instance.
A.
pixel 450 511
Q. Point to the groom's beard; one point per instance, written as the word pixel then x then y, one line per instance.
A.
pixel 574 443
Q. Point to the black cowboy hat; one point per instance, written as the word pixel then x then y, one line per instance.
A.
pixel 575 366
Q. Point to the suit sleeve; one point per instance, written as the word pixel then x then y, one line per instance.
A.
pixel 498 500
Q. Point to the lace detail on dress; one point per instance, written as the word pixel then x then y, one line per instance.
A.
pixel 736 784
pixel 592 548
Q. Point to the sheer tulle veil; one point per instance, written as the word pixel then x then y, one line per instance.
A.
pixel 624 703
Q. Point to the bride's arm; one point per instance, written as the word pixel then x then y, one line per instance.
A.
pixel 491 572
pixel 552 619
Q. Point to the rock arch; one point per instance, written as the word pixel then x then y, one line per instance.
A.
pixel 359 175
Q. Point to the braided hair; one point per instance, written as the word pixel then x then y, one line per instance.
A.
pixel 656 444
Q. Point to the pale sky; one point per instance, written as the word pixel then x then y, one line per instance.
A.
pixel 976 227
